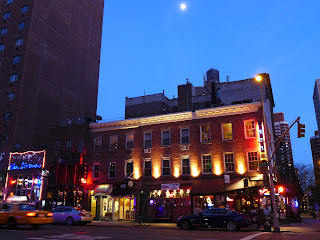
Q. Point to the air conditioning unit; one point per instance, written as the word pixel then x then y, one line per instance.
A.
pixel 147 150
pixel 184 147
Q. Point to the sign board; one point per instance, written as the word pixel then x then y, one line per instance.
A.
pixel 27 160
pixel 103 189
pixel 170 186
pixel 263 165
pixel 226 178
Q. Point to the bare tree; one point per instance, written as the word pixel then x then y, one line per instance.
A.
pixel 305 173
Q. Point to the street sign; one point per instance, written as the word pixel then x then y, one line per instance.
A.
pixel 263 164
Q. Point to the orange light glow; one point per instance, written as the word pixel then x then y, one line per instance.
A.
pixel 176 172
pixel 156 171
pixel 136 173
pixel 13 181
pixel 50 214
pixel 194 171
pixel 217 169
pixel 241 168
pixel 31 214
pixel 280 189
pixel 83 180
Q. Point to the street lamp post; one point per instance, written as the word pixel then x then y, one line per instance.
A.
pixel 276 225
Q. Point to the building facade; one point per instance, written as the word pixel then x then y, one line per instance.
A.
pixel 49 69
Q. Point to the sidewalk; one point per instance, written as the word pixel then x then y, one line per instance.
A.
pixel 128 224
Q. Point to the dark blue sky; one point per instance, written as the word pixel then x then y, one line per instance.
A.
pixel 151 45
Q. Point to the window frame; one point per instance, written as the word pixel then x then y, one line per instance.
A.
pixel 162 167
pixel 183 128
pixel 95 140
pixel 222 132
pixel 144 139
pixel 110 143
pixel 93 170
pixel 27 7
pixel 15 76
pixel 7 116
pixel 258 159
pixel 245 129
pixel 19 40
pixel 23 23
pixel 182 166
pixel 4 31
pixel 224 162
pixel 144 167
pixel 17 58
pixel 8 14
pixel 125 168
pixel 201 133
pixel 202 165
pixel 162 138
pixel 115 170
pixel 68 143
pixel 127 148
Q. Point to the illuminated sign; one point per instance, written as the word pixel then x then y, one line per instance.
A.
pixel 262 142
pixel 26 160
pixel 170 186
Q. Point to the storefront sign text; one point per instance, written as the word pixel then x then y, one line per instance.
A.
pixel 170 186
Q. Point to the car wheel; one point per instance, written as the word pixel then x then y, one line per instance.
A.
pixel 69 221
pixel 12 223
pixel 185 225
pixel 232 226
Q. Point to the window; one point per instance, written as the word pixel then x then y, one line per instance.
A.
pixel 166 167
pixel 16 59
pixel 184 136
pixel 147 140
pixel 250 129
pixel 13 77
pixel 7 116
pixel 4 31
pixel 129 168
pixel 129 141
pixel 19 42
pixel 227 131
pixel 147 168
pixel 9 1
pixel 57 146
pixel 96 170
pixel 229 162
pixel 4 137
pixel 206 164
pixel 97 144
pixel 22 25
pixel 253 161
pixel 1 47
pixel 185 165
pixel 0 63
pixel 80 145
pixel 26 207
pixel 68 143
pixel 205 134
pixel 112 170
pixel 24 9
pixel 113 143
pixel 6 15
pixel 165 138
pixel 10 97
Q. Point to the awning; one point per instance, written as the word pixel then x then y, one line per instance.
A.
pixel 122 192
pixel 211 186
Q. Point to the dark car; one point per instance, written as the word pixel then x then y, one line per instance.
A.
pixel 214 218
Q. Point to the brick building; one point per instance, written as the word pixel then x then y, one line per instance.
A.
pixel 49 69
pixel 180 163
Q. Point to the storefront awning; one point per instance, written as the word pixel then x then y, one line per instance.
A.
pixel 210 186
pixel 122 192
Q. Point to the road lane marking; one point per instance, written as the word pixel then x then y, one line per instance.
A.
pixel 253 236
pixel 70 237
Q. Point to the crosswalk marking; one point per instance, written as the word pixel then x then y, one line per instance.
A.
pixel 70 237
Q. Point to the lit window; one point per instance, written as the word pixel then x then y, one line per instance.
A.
pixel 166 169
pixel 112 170
pixel 113 143
pixel 7 116
pixel 229 162
pixel 205 134
pixel 185 165
pixel 147 140
pixel 10 97
pixel 147 167
pixel 69 143
pixel 16 59
pixel 129 168
pixel 13 78
pixel 253 161
pixel 9 1
pixel 22 25
pixel 1 47
pixel 4 31
pixel 96 171
pixel 250 129
pixel 97 144
pixel 227 131
pixel 129 141
pixel 206 164
pixel 184 136
pixel 165 138
pixel 6 15
pixel 19 42
pixel 24 9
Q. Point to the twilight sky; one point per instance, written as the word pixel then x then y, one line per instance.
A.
pixel 152 45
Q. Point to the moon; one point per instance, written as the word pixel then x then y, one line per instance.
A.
pixel 183 6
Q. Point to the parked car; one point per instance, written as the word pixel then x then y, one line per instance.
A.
pixel 71 215
pixel 14 214
pixel 214 218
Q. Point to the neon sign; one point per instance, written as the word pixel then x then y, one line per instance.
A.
pixel 262 142
pixel 27 160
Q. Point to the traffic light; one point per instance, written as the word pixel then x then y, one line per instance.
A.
pixel 301 130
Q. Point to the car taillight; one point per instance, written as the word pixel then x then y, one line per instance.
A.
pixel 50 214
pixel 82 214
pixel 31 214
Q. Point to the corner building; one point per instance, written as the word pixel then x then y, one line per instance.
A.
pixel 175 164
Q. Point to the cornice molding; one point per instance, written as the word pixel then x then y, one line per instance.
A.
pixel 176 117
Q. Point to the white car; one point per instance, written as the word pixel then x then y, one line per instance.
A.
pixel 71 215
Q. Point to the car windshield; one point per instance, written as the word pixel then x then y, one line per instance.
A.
pixel 26 207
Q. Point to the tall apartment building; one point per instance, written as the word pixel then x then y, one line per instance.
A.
pixel 316 101
pixel 49 69
pixel 284 152
pixel 315 149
